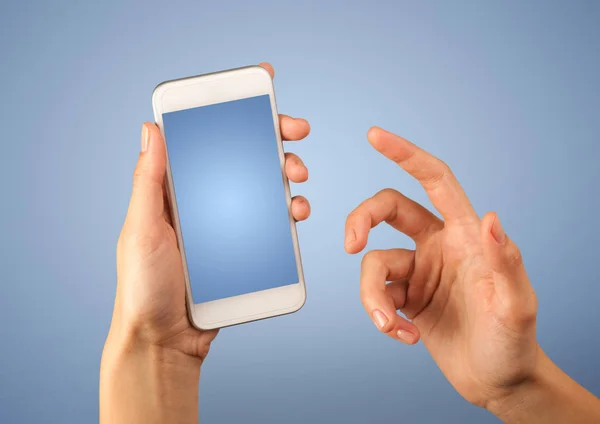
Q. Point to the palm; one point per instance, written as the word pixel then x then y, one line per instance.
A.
pixel 158 294
pixel 461 323
pixel 476 319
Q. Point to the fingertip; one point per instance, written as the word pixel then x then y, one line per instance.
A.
pixel 373 133
pixel 154 129
pixel 355 238
pixel 486 224
pixel 406 332
pixel 407 337
pixel 305 124
pixel 497 231
pixel 301 174
pixel 268 67
pixel 301 128
pixel 384 321
pixel 490 216
pixel 295 169
pixel 147 200
pixel 355 247
pixel 350 241
pixel 395 326
pixel 293 129
pixel 351 249
pixel 491 228
pixel 144 138
pixel 376 139
pixel 502 254
pixel 300 208
pixel 389 144
pixel 153 139
pixel 149 126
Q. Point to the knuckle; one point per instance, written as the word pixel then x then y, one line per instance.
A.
pixel 435 178
pixel 388 192
pixel 442 166
pixel 403 157
pixel 351 217
pixel 372 259
pixel 387 196
pixel 529 310
pixel 520 312
pixel 508 310
pixel 514 258
pixel 388 199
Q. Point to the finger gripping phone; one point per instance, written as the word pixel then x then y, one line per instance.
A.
pixel 229 197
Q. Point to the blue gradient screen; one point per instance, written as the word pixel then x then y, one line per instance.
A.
pixel 230 197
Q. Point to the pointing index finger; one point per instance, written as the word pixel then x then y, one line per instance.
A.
pixel 435 176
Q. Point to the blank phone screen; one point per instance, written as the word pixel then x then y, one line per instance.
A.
pixel 230 198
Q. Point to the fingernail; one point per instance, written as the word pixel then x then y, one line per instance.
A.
pixel 406 336
pixel 144 138
pixel 380 319
pixel 498 232
pixel 350 236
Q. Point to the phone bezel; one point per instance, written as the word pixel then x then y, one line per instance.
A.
pixel 204 90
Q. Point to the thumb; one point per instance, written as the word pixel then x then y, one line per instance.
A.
pixel 147 203
pixel 510 278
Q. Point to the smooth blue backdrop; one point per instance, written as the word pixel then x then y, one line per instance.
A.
pixel 231 201
pixel 506 92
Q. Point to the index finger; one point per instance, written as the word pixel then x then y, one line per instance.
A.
pixel 435 176
pixel 402 213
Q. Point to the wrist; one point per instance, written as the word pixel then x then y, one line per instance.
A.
pixel 521 397
pixel 548 396
pixel 143 382
pixel 119 349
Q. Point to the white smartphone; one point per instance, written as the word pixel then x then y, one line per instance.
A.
pixel 229 197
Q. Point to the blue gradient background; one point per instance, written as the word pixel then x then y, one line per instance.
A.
pixel 231 201
pixel 506 92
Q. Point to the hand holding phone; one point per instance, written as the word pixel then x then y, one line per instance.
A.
pixel 150 318
pixel 229 197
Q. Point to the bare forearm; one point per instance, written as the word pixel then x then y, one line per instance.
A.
pixel 147 384
pixel 551 397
